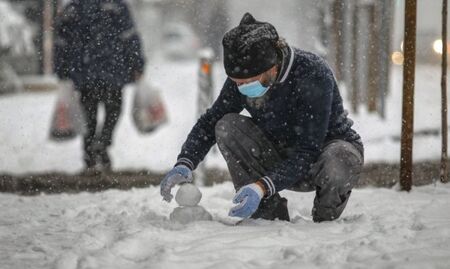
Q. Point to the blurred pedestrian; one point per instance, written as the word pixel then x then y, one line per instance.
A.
pixel 297 138
pixel 98 48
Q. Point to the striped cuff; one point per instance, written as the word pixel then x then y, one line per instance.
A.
pixel 187 162
pixel 268 186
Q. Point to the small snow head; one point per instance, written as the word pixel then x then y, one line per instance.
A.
pixel 250 48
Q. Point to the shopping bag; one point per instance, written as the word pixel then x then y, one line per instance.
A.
pixel 148 110
pixel 68 117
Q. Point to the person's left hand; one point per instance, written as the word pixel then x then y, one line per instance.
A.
pixel 248 199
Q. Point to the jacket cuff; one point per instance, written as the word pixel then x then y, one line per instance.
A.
pixel 185 161
pixel 268 186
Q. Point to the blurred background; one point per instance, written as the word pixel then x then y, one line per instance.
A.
pixel 361 39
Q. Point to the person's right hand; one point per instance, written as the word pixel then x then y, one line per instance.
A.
pixel 248 199
pixel 179 174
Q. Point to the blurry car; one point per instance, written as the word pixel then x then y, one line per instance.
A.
pixel 428 49
pixel 179 41
pixel 16 44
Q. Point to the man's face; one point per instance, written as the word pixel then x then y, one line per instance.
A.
pixel 266 78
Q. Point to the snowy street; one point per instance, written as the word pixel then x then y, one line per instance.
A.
pixel 131 229
pixel 144 72
pixel 381 228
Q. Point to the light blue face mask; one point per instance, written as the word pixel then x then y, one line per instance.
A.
pixel 253 89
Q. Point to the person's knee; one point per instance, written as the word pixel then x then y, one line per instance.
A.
pixel 333 174
pixel 339 169
pixel 226 124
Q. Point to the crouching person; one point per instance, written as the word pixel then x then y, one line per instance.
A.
pixel 298 136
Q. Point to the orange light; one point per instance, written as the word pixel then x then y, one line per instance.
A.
pixel 206 68
pixel 397 58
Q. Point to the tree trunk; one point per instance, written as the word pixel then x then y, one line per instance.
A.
pixel 373 82
pixel 385 24
pixel 338 9
pixel 355 93
pixel 408 95
pixel 443 172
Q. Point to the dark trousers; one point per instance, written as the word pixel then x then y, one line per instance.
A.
pixel 250 155
pixel 92 95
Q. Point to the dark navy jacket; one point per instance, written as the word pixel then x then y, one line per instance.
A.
pixel 300 113
pixel 97 39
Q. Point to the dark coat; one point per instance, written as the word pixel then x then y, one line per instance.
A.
pixel 97 39
pixel 300 114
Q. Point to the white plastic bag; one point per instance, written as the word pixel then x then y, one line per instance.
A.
pixel 149 111
pixel 68 117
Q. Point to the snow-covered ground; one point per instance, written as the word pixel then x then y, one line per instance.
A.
pixel 25 120
pixel 381 228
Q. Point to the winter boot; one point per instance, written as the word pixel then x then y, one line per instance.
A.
pixel 90 162
pixel 101 156
pixel 272 208
pixel 105 160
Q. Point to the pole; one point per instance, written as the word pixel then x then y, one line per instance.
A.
pixel 205 98
pixel 356 46
pixel 443 172
pixel 384 49
pixel 374 72
pixel 337 27
pixel 348 53
pixel 408 95
pixel 47 37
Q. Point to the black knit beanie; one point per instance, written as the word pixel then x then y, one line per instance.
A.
pixel 250 48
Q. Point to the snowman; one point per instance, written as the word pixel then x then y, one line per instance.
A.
pixel 188 196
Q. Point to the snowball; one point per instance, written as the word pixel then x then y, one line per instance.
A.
pixel 189 214
pixel 188 195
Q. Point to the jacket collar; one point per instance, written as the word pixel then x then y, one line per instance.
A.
pixel 286 63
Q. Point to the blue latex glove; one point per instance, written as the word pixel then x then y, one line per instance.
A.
pixel 248 199
pixel 179 174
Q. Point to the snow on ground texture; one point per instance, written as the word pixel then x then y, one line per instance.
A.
pixel 381 228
